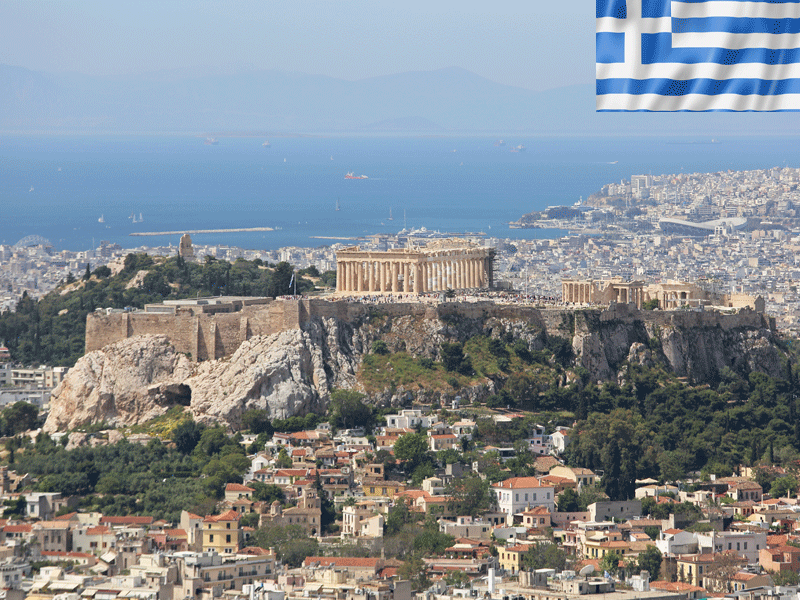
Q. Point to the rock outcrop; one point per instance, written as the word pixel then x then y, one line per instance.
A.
pixel 293 372
pixel 125 383
pixel 283 373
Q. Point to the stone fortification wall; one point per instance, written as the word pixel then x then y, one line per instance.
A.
pixel 200 335
pixel 206 336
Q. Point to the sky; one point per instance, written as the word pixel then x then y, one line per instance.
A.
pixel 533 44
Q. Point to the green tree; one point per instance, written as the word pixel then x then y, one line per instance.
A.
pixel 283 461
pixel 267 493
pixel 20 417
pixel 348 410
pixel 186 436
pixel 415 570
pixel 454 360
pixel 102 272
pixel 568 501
pixel 650 304
pixel 399 516
pixel 432 542
pixel 650 561
pixel 412 449
pixel 470 495
pixel 783 487
pixel 611 562
pixel 291 543
pixel 544 555
pixel 458 579
pixel 256 421
pixel 379 347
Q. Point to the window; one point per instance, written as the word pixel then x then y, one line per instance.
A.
pixel 228 539
pixel 211 538
pixel 526 497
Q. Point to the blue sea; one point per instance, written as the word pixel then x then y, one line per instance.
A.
pixel 58 187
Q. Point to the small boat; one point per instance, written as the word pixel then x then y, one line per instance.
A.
pixel 337 204
pixel 210 141
pixel 101 219
pixel 30 190
pixel 519 148
pixel 391 218
pixel 351 175
pixel 266 144
pixel 140 218
pixel 500 143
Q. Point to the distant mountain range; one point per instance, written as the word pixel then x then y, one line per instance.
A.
pixel 445 101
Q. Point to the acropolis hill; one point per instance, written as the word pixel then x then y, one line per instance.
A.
pixel 222 356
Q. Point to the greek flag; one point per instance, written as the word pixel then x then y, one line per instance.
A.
pixel 698 55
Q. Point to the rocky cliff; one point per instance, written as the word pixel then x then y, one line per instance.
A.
pixel 293 372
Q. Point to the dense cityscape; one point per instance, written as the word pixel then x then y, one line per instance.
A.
pixel 520 478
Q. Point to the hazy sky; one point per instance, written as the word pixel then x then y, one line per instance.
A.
pixel 535 44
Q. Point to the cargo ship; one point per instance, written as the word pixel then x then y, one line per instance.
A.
pixel 352 175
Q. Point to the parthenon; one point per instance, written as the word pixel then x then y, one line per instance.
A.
pixel 438 266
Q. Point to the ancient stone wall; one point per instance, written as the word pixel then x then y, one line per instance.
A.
pixel 206 336
pixel 200 335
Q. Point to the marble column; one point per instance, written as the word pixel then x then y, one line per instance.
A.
pixel 407 278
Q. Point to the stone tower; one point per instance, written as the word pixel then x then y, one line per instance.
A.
pixel 186 251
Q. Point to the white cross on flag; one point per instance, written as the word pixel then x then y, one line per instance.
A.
pixel 698 55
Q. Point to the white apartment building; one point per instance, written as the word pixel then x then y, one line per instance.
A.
pixel 519 493
pixel 409 418
pixel 746 543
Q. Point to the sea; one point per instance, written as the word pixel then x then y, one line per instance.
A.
pixel 77 191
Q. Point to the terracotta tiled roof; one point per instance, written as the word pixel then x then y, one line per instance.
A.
pixel 238 487
pixel 126 520
pixel 99 530
pixel 22 528
pixel 176 533
pixel 231 515
pixel 254 551
pixel 516 483
pixel 66 554
pixel 777 540
pixel 675 586
pixel 65 517
pixel 334 561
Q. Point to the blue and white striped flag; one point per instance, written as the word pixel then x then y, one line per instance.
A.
pixel 698 55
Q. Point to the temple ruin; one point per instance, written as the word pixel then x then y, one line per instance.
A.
pixel 437 266
pixel 670 295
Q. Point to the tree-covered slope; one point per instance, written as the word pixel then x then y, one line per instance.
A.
pixel 52 330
